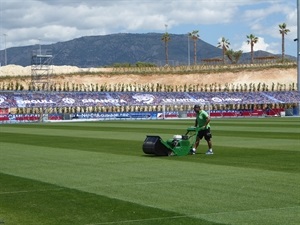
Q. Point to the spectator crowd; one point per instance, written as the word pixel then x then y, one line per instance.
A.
pixel 143 101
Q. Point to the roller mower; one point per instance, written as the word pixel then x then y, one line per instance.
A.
pixel 179 145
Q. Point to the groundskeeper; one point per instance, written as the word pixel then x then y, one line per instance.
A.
pixel 202 122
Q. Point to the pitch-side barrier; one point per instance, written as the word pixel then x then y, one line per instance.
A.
pixel 27 118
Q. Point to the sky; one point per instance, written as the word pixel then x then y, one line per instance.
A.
pixel 40 22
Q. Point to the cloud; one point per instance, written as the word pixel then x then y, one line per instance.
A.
pixel 261 45
pixel 67 19
pixel 51 21
pixel 265 21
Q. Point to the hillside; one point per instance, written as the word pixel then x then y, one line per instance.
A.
pixel 107 50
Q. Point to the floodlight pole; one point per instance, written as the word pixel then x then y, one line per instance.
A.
pixel 40 52
pixel 298 50
pixel 5 53
pixel 298 45
pixel 189 60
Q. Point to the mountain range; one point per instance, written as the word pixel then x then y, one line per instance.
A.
pixel 108 50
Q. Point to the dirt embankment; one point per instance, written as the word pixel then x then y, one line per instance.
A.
pixel 265 76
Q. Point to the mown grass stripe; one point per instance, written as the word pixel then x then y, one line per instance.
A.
pixel 258 134
pixel 275 144
pixel 217 131
pixel 282 124
pixel 244 140
pixel 262 131
pixel 233 156
pixel 54 204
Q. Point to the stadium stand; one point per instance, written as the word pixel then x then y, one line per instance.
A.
pixel 66 99
pixel 224 104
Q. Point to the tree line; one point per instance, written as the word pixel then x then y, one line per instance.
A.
pixel 150 87
pixel 224 44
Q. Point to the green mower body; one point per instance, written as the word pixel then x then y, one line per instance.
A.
pixel 179 145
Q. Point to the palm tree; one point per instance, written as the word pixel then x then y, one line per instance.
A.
pixel 233 56
pixel 252 40
pixel 224 44
pixel 283 31
pixel 194 36
pixel 166 38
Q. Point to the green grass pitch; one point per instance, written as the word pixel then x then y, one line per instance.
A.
pixel 95 173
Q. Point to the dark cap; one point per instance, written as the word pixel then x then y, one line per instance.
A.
pixel 196 106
